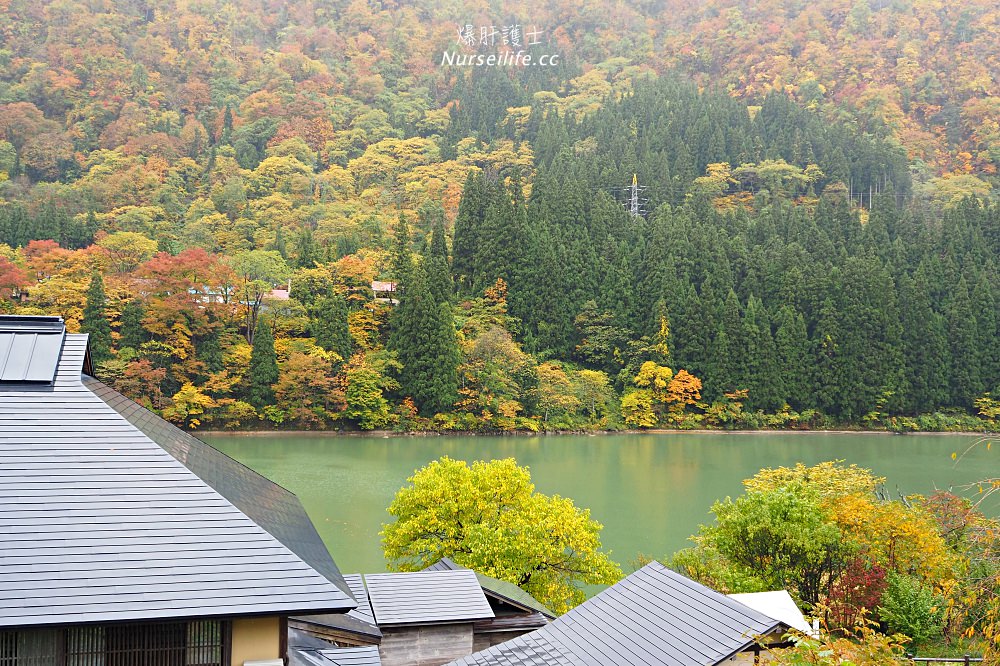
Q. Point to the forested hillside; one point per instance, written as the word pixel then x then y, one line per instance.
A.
pixel 211 188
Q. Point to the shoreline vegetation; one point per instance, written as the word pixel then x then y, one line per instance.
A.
pixel 556 433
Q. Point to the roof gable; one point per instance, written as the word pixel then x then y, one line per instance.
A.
pixel 427 597
pixel 361 620
pixel 654 617
pixel 500 590
pixel 99 523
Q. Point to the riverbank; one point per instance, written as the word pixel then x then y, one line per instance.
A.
pixel 567 433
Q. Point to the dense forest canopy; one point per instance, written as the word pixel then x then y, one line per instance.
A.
pixel 211 188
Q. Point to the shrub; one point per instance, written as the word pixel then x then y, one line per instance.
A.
pixel 911 609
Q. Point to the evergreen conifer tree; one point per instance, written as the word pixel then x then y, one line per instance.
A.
pixel 401 257
pixel 963 334
pixel 210 351
pixel 132 333
pixel 438 271
pixel 263 370
pixel 760 363
pixel 95 320
pixel 328 324
pixel 424 339
pixel 791 342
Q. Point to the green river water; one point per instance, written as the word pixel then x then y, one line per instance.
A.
pixel 651 491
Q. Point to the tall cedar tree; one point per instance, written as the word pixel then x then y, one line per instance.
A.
pixel 438 272
pixel 424 338
pixel 95 320
pixel 328 324
pixel 132 334
pixel 401 261
pixel 263 371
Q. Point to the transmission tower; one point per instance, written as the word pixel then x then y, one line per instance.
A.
pixel 635 202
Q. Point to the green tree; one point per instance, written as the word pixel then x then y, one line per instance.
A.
pixel 257 272
pixel 424 339
pixel 783 537
pixel 366 403
pixel 262 372
pixel 401 257
pixel 792 350
pixel 912 609
pixel 438 272
pixel 132 333
pixel 964 378
pixel 95 320
pixel 328 325
pixel 489 518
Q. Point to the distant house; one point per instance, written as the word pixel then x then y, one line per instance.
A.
pixel 654 617
pixel 384 292
pixel 127 541
pixel 279 294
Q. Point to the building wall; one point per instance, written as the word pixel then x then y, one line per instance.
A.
pixel 425 646
pixel 256 638
pixel 483 641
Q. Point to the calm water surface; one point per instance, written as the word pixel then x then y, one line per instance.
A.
pixel 651 492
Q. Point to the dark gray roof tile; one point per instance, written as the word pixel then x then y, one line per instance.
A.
pixel 361 620
pixel 99 523
pixel 654 617
pixel 421 597
pixel 498 589
pixel 357 656
pixel 269 505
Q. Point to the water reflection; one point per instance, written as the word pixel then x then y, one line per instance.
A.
pixel 650 491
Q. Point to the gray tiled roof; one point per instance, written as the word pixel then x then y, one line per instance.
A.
pixel 99 523
pixel 498 589
pixel 356 656
pixel 269 505
pixel 422 597
pixel 654 617
pixel 361 620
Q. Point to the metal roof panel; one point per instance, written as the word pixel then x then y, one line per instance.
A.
pixel 352 656
pixel 86 538
pixel 426 597
pixel 498 589
pixel 269 505
pixel 654 617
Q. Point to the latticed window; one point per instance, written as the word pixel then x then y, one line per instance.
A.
pixel 189 643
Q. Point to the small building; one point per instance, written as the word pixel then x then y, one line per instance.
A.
pixel 653 617
pixel 384 292
pixel 127 541
pixel 401 613
pixel 426 617
pixel 515 612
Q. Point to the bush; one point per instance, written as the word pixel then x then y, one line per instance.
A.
pixel 911 609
